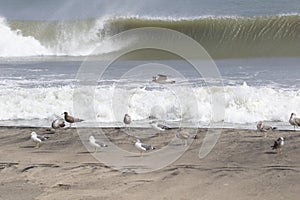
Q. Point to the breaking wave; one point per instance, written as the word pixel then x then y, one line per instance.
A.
pixel 222 37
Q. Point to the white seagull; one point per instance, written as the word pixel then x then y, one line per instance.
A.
pixel 158 127
pixel 162 79
pixel 294 121
pixel 142 147
pixel 37 139
pixel 94 143
pixel 278 143
pixel 70 119
pixel 58 123
pixel 183 136
pixel 264 128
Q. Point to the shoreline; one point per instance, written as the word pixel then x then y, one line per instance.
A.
pixel 284 126
pixel 241 166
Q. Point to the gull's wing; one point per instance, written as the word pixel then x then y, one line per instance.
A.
pixel 43 138
pixel 147 147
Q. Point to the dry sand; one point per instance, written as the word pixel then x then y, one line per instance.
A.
pixel 241 166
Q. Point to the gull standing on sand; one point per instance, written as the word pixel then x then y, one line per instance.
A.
pixel 162 79
pixel 94 143
pixel 127 119
pixel 37 139
pixel 58 123
pixel 183 136
pixel 278 143
pixel 70 119
pixel 158 127
pixel 264 128
pixel 294 121
pixel 142 147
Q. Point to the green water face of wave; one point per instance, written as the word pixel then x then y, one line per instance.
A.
pixel 223 37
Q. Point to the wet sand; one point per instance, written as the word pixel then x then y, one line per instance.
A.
pixel 240 166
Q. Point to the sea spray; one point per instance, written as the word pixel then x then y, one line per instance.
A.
pixel 14 44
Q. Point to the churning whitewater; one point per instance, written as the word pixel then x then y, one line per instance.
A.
pixel 243 104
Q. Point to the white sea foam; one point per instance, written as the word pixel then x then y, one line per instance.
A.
pixel 14 44
pixel 243 104
pixel 69 39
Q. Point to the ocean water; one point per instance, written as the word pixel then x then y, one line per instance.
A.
pixel 255 46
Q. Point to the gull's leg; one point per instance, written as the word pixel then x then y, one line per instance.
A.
pixel 279 151
pixel 37 145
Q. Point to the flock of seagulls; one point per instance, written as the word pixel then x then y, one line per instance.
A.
pixel 61 123
pixel 142 147
pixel 278 144
pixel 181 134
pixel 56 124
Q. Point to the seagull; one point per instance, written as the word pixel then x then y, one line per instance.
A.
pixel 264 128
pixel 142 147
pixel 278 143
pixel 158 127
pixel 58 123
pixel 183 136
pixel 93 142
pixel 71 119
pixel 162 79
pixel 294 121
pixel 37 139
pixel 127 119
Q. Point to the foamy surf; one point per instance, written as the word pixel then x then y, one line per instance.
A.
pixel 14 44
pixel 243 104
pixel 42 38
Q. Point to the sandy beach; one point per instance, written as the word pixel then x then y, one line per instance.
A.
pixel 241 166
pixel 213 66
